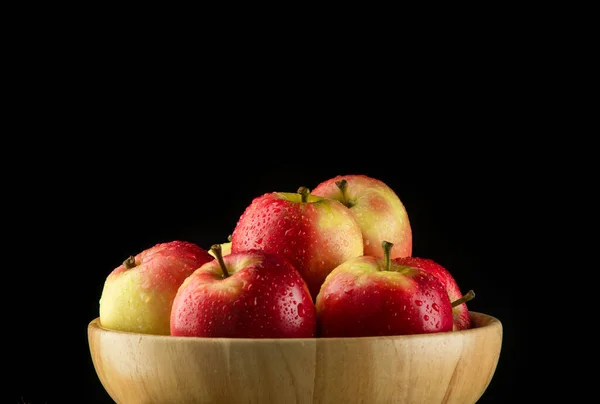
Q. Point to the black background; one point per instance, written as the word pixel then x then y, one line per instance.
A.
pixel 111 199
pixel 120 151
pixel 117 136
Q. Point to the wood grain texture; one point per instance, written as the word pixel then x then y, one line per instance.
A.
pixel 452 367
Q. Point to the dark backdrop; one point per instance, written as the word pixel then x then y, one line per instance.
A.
pixel 109 199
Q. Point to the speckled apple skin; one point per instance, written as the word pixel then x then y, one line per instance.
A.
pixel 378 210
pixel 462 321
pixel 315 236
pixel 360 299
pixel 139 299
pixel 264 296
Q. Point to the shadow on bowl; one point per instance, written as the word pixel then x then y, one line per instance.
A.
pixel 449 367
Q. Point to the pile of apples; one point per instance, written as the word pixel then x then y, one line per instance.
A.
pixel 332 262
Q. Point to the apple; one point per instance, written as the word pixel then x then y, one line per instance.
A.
pixel 138 294
pixel 460 312
pixel 375 296
pixel 225 247
pixel 314 234
pixel 378 210
pixel 249 294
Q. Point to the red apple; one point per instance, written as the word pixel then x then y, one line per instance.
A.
pixel 249 294
pixel 138 294
pixel 378 210
pixel 460 312
pixel 314 234
pixel 374 296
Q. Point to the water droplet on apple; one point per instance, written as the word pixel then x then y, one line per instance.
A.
pixel 259 241
pixel 301 310
pixel 255 301
pixel 426 317
pixel 287 232
pixel 435 307
pixel 418 302
pixel 437 325
pixel 367 242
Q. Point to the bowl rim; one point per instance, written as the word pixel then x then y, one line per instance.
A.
pixel 483 322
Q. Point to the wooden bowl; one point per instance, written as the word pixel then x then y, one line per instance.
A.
pixel 448 367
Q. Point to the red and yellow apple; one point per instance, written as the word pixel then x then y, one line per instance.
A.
pixel 314 234
pixel 249 294
pixel 378 210
pixel 460 312
pixel 373 296
pixel 138 294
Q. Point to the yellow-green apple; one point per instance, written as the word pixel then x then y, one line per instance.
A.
pixel 460 312
pixel 315 234
pixel 225 247
pixel 378 210
pixel 375 296
pixel 138 294
pixel 249 294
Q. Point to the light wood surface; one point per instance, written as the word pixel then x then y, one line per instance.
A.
pixel 453 367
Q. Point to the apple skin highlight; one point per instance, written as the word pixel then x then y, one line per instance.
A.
pixel 139 299
pixel 378 210
pixel 315 236
pixel 264 296
pixel 403 300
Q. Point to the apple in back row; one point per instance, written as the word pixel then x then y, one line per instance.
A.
pixel 299 238
pixel 342 218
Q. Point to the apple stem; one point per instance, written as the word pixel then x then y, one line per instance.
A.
pixel 468 296
pixel 129 262
pixel 342 185
pixel 387 250
pixel 304 192
pixel 216 249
